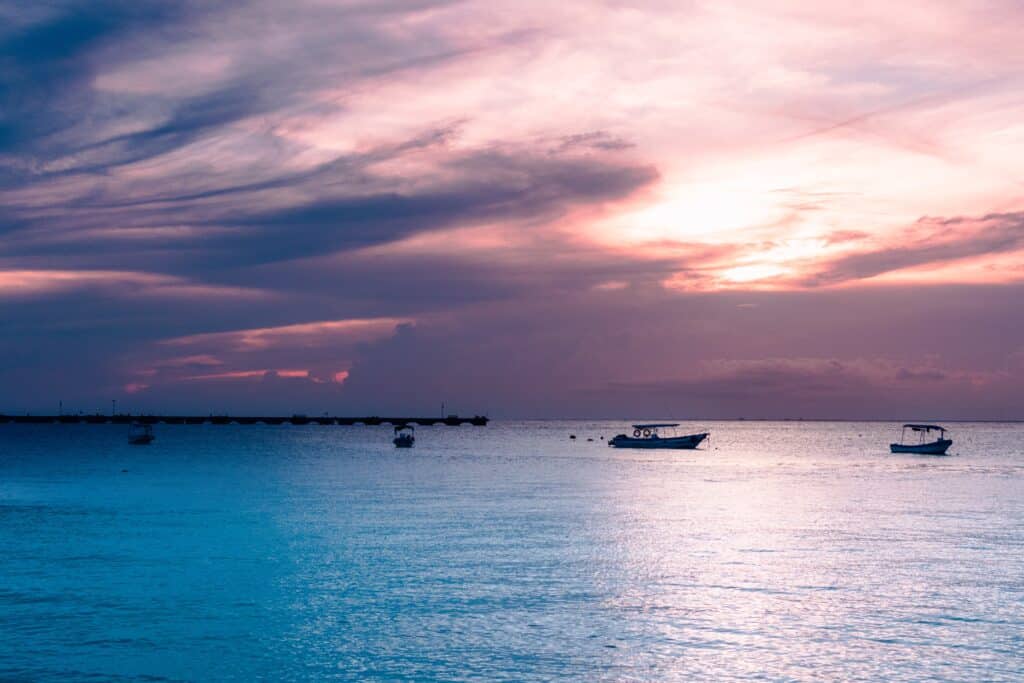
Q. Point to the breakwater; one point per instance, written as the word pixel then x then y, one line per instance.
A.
pixel 125 418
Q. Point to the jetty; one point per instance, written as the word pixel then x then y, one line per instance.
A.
pixel 127 418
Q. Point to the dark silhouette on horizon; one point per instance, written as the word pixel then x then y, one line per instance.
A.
pixel 124 418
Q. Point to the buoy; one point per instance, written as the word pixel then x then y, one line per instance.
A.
pixel 572 436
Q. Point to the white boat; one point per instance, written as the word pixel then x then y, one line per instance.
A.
pixel 140 434
pixel 650 436
pixel 404 436
pixel 937 446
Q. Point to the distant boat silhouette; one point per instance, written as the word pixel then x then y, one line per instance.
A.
pixel 647 436
pixel 140 434
pixel 937 447
pixel 404 436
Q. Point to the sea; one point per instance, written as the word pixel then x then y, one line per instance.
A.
pixel 778 551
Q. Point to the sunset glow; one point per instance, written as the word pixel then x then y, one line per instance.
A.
pixel 481 194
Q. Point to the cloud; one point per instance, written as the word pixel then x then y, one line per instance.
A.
pixel 597 139
pixel 300 334
pixel 27 283
pixel 929 242
pixel 592 355
pixel 823 388
pixel 320 351
pixel 627 352
pixel 489 186
pixel 196 234
pixel 55 62
pixel 518 205
pixel 799 379
pixel 845 236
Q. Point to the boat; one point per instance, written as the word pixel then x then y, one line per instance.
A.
pixel 140 434
pixel 405 436
pixel 649 436
pixel 924 445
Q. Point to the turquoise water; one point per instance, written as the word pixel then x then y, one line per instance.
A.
pixel 783 551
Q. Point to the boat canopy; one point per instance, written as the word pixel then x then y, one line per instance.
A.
pixel 924 428
pixel 656 425
pixel 402 428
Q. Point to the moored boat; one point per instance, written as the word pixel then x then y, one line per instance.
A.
pixel 140 434
pixel 404 436
pixel 924 445
pixel 649 436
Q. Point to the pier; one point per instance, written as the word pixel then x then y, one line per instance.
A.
pixel 125 418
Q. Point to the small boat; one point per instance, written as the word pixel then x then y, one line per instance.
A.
pixel 648 436
pixel 924 445
pixel 140 434
pixel 405 436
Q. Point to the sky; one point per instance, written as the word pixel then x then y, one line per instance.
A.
pixel 756 209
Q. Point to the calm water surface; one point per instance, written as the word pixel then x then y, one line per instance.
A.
pixel 784 551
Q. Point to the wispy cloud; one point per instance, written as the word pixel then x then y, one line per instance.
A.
pixel 304 334
pixel 929 242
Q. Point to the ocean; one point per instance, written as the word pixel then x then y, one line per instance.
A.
pixel 782 551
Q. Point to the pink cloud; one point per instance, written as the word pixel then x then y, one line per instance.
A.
pixel 244 374
pixel 302 334
pixel 126 284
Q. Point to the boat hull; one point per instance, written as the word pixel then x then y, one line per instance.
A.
pixel 934 448
pixel 403 443
pixel 141 440
pixel 688 442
